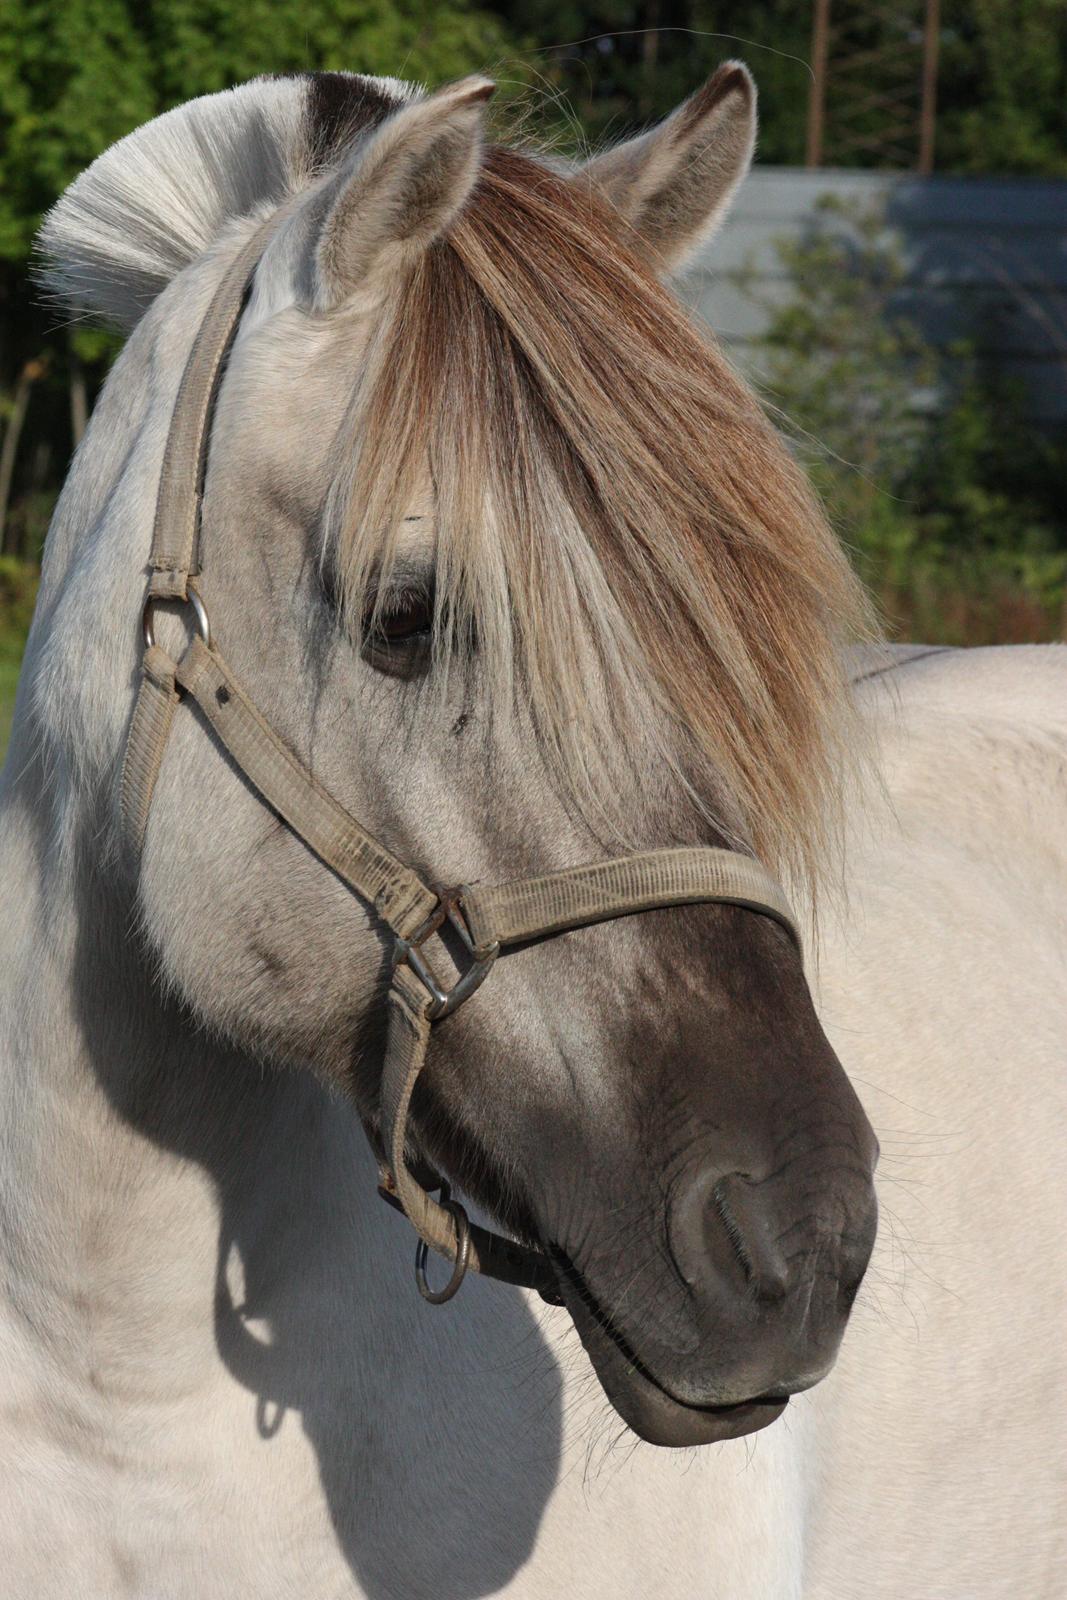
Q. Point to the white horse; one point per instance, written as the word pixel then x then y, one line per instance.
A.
pixel 509 559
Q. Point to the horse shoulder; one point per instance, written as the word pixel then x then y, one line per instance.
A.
pixel 943 984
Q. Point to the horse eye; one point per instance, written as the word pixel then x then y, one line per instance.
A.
pixel 409 616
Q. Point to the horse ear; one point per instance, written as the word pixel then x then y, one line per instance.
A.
pixel 401 189
pixel 675 183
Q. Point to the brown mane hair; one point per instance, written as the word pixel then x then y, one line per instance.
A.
pixel 617 521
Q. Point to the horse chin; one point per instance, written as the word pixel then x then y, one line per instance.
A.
pixel 654 1414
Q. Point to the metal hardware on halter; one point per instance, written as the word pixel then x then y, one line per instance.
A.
pixel 203 626
pixel 438 1297
pixel 445 1001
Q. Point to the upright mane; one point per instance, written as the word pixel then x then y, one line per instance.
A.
pixel 157 199
pixel 602 476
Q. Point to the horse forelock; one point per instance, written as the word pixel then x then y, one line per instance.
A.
pixel 611 506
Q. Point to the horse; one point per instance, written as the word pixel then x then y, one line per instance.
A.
pixel 513 572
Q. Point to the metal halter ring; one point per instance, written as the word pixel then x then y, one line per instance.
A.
pixel 437 1297
pixel 444 1001
pixel 203 626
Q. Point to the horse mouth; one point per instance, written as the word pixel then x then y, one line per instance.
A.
pixel 653 1413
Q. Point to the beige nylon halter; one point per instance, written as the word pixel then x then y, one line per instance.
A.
pixel 486 918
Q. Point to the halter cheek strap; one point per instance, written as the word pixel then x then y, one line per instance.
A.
pixel 485 919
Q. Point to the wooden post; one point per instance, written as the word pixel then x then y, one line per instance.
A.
pixel 928 112
pixel 649 58
pixel 820 38
pixel 16 417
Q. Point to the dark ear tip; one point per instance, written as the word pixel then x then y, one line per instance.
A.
pixel 730 81
pixel 473 91
pixel 733 77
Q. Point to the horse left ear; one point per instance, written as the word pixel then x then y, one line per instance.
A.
pixel 675 183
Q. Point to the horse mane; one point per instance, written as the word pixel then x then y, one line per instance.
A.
pixel 616 520
pixel 157 199
pixel 618 526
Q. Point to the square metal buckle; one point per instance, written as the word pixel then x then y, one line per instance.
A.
pixel 444 1000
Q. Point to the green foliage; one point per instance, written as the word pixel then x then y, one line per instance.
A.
pixel 618 64
pixel 73 77
pixel 950 498
pixel 1002 90
pixel 217 43
pixel 77 74
pixel 18 592
pixel 835 345
pixel 1003 87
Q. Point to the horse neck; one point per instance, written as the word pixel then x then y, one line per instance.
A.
pixel 139 1156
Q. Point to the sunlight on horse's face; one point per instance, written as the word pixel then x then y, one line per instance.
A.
pixel 652 1100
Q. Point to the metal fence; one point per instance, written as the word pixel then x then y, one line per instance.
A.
pixel 986 260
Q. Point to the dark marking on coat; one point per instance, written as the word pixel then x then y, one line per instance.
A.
pixel 898 666
pixel 269 964
pixel 341 105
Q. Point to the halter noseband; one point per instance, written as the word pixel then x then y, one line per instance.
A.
pixel 485 918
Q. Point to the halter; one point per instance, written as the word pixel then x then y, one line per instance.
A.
pixel 485 918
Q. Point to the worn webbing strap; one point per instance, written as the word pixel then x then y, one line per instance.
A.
pixel 175 535
pixel 490 1253
pixel 152 717
pixel 532 907
pixel 496 915
pixel 398 895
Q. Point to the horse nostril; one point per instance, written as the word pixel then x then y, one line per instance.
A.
pixel 750 1229
pixel 720 1226
pixel 730 1233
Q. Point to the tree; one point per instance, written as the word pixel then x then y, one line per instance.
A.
pixel 619 64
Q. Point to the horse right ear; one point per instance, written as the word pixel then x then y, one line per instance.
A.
pixel 401 190
pixel 674 184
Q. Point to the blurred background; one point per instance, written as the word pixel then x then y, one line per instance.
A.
pixel 893 277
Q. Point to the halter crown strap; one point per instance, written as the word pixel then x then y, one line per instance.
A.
pixel 176 532
pixel 485 917
pixel 397 894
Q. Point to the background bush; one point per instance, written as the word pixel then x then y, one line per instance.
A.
pixel 950 498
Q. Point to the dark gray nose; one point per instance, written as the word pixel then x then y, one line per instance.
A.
pixel 784 1255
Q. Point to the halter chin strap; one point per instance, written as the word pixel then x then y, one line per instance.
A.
pixel 484 919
